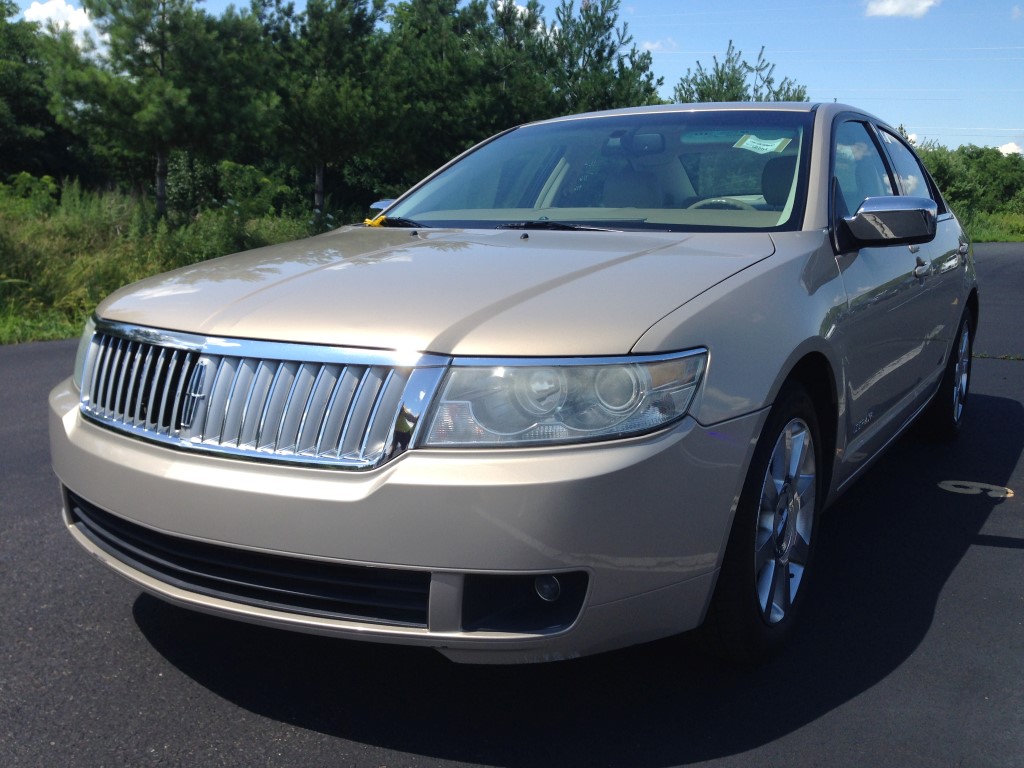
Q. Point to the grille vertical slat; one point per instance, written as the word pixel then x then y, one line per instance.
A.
pixel 113 375
pixel 166 401
pixel 267 404
pixel 225 412
pixel 283 441
pixel 139 417
pixel 369 444
pixel 307 406
pixel 130 411
pixel 238 382
pixel 245 426
pixel 347 423
pixel 153 414
pixel 330 411
pixel 117 403
pixel 101 375
pixel 335 403
pixel 206 433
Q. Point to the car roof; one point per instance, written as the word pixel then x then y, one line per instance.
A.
pixel 826 109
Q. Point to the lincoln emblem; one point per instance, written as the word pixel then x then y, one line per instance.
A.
pixel 193 394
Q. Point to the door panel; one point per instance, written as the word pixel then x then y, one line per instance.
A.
pixel 894 312
pixel 890 318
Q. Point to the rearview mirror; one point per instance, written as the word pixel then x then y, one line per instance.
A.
pixel 647 144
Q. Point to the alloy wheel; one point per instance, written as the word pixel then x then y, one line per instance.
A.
pixel 785 521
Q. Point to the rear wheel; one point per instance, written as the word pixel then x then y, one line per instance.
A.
pixel 763 579
pixel 944 417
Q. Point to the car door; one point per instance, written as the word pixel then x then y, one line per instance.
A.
pixel 890 315
pixel 941 262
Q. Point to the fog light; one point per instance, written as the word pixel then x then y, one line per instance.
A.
pixel 547 588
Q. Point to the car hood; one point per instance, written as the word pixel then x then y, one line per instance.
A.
pixel 466 292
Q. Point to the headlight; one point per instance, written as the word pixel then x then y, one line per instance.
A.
pixel 84 342
pixel 531 402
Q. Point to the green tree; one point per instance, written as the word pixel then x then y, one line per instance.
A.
pixel 167 77
pixel 1002 175
pixel 435 91
pixel 975 179
pixel 596 64
pixel 735 79
pixel 30 139
pixel 519 58
pixel 324 58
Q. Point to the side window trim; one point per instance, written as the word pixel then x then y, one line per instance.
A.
pixel 890 168
pixel 872 132
pixel 933 189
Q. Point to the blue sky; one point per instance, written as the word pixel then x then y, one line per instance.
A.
pixel 951 71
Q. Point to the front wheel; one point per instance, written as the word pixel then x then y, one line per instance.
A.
pixel 764 574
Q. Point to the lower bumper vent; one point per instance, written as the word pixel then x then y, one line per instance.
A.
pixel 296 585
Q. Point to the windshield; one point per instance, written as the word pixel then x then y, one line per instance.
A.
pixel 672 171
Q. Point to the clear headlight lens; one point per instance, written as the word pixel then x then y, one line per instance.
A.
pixel 84 341
pixel 533 402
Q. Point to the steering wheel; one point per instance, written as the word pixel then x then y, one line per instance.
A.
pixel 723 203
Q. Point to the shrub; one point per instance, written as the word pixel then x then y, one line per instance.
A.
pixel 27 195
pixel 999 227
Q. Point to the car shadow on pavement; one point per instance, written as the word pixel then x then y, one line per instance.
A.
pixel 887 550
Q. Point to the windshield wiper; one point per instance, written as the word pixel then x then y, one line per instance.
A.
pixel 396 221
pixel 561 226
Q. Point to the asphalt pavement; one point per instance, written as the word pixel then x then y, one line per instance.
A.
pixel 911 655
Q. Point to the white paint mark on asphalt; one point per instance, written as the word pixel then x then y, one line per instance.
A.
pixel 971 488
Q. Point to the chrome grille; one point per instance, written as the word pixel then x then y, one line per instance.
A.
pixel 139 384
pixel 335 406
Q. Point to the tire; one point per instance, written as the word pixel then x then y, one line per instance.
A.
pixel 944 417
pixel 763 580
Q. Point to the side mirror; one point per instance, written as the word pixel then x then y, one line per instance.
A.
pixel 892 221
pixel 379 206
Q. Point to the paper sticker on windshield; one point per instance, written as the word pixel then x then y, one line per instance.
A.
pixel 761 146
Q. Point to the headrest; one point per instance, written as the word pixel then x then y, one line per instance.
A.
pixel 777 179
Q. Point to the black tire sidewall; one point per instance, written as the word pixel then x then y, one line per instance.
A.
pixel 939 421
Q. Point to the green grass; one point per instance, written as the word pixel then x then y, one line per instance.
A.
pixel 1001 227
pixel 18 326
pixel 58 260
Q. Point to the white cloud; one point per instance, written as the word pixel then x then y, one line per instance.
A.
pixel 913 8
pixel 62 14
pixel 520 9
pixel 1017 13
pixel 1011 149
pixel 668 44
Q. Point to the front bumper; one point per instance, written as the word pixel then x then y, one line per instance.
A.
pixel 636 529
